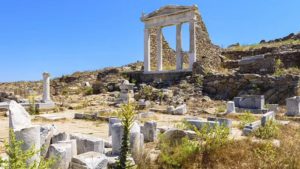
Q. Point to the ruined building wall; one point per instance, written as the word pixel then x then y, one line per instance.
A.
pixel 207 53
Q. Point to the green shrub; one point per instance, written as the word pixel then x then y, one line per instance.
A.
pixel 246 118
pixel 18 157
pixel 88 91
pixel 266 154
pixel 33 110
pixel 146 93
pixel 278 68
pixel 174 155
pixel 127 116
pixel 270 130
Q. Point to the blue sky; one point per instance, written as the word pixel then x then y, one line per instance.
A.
pixel 64 36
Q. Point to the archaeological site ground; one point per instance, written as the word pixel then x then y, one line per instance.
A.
pixel 207 107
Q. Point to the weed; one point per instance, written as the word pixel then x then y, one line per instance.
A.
pixel 246 118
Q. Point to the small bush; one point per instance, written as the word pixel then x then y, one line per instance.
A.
pixel 278 68
pixel 18 157
pixel 266 154
pixel 88 91
pixel 175 155
pixel 246 118
pixel 33 110
pixel 270 130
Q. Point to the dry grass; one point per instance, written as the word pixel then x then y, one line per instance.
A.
pixel 259 46
pixel 250 155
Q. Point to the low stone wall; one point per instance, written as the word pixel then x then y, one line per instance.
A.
pixel 169 77
pixel 275 89
pixel 257 64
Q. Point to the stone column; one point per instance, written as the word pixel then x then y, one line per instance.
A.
pixel 178 48
pixel 46 88
pixel 159 50
pixel 147 65
pixel 193 49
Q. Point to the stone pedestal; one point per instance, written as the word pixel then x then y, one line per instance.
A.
pixel 126 94
pixel 230 107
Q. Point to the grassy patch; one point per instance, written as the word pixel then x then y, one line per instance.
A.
pixel 259 46
pixel 246 118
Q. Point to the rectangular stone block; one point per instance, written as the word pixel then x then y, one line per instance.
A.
pixel 293 106
pixel 89 160
pixel 250 102
pixel 86 143
pixel 266 117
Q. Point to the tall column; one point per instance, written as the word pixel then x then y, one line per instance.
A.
pixel 46 88
pixel 147 65
pixel 178 48
pixel 159 50
pixel 193 49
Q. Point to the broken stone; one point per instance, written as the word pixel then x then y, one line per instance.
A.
pixel 112 121
pixel 136 145
pixel 73 144
pixel 89 160
pixel 250 102
pixel 249 128
pixel 18 117
pixel 62 153
pixel 60 136
pixel 266 117
pixel 149 131
pixel 293 106
pixel 180 110
pixel 30 137
pixel 230 107
pixel 86 143
pixel 47 132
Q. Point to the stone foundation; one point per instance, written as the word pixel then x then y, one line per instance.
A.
pixel 275 89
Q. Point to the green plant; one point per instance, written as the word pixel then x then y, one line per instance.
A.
pixel 146 92
pixel 127 116
pixel 18 157
pixel 88 91
pixel 278 68
pixel 33 110
pixel 246 118
pixel 270 130
pixel 175 154
pixel 266 154
pixel 221 109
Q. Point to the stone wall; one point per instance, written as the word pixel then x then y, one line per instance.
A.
pixel 289 55
pixel 275 89
pixel 258 65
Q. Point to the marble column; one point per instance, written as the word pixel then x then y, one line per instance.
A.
pixel 178 48
pixel 159 50
pixel 147 65
pixel 46 88
pixel 193 50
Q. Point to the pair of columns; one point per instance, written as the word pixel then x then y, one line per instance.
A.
pixel 179 53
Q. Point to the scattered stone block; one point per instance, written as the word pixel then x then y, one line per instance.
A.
pixel 230 107
pixel 143 104
pixel 149 131
pixel 86 143
pixel 174 135
pixel 136 145
pixel 62 153
pixel 249 128
pixel 266 117
pixel 222 121
pixel 170 109
pixel 30 136
pixel 116 133
pixel 199 124
pixel 50 117
pixel 18 117
pixel 250 102
pixel 60 136
pixel 46 134
pixel 180 110
pixel 73 144
pixel 147 115
pixel 293 106
pixel 89 160
pixel 111 122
